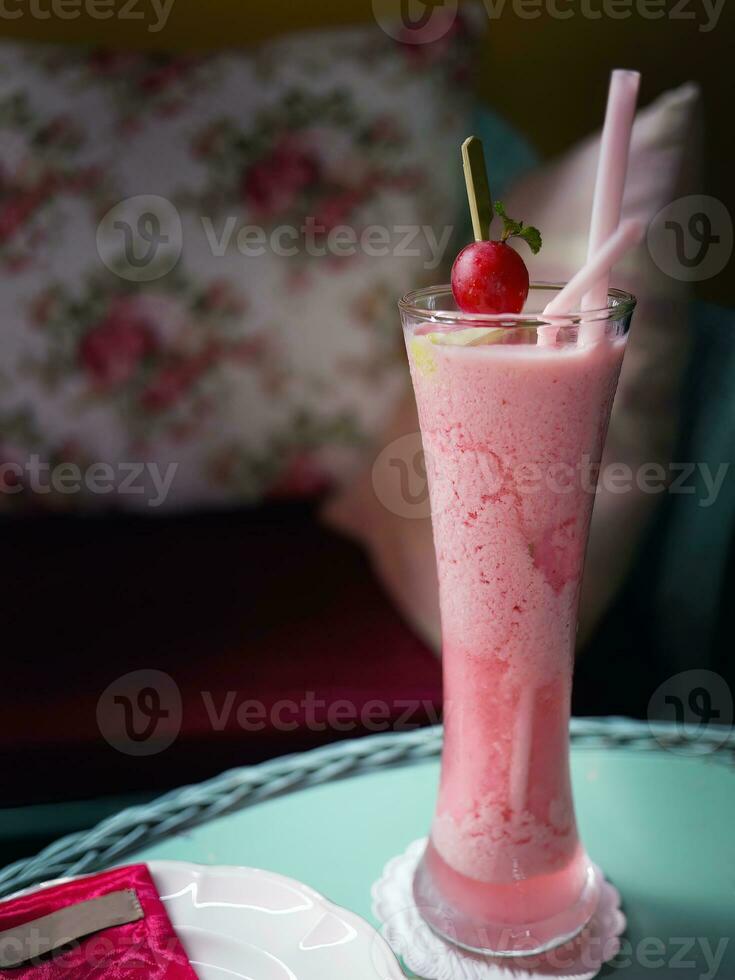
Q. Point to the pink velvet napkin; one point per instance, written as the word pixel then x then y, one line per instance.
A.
pixel 148 948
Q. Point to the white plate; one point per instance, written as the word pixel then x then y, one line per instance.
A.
pixel 256 925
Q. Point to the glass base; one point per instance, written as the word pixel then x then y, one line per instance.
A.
pixel 506 939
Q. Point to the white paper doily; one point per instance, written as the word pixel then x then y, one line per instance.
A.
pixel 431 958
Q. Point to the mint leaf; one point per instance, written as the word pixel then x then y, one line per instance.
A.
pixel 516 229
pixel 532 237
pixel 510 227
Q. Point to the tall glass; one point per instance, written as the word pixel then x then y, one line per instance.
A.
pixel 513 415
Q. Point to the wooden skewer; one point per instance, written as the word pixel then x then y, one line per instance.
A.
pixel 478 188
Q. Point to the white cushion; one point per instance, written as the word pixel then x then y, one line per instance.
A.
pixel 253 375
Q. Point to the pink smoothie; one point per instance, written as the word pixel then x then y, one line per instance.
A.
pixel 511 434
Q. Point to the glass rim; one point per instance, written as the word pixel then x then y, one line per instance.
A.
pixel 623 305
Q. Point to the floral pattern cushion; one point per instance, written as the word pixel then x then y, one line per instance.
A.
pixel 246 370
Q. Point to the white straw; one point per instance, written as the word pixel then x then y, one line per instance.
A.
pixel 611 171
pixel 568 299
pixel 520 767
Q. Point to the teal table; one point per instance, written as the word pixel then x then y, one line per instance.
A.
pixel 657 813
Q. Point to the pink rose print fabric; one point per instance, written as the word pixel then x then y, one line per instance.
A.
pixel 265 358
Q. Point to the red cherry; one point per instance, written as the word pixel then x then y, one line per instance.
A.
pixel 489 277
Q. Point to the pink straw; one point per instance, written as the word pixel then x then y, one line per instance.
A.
pixel 611 171
pixel 629 234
